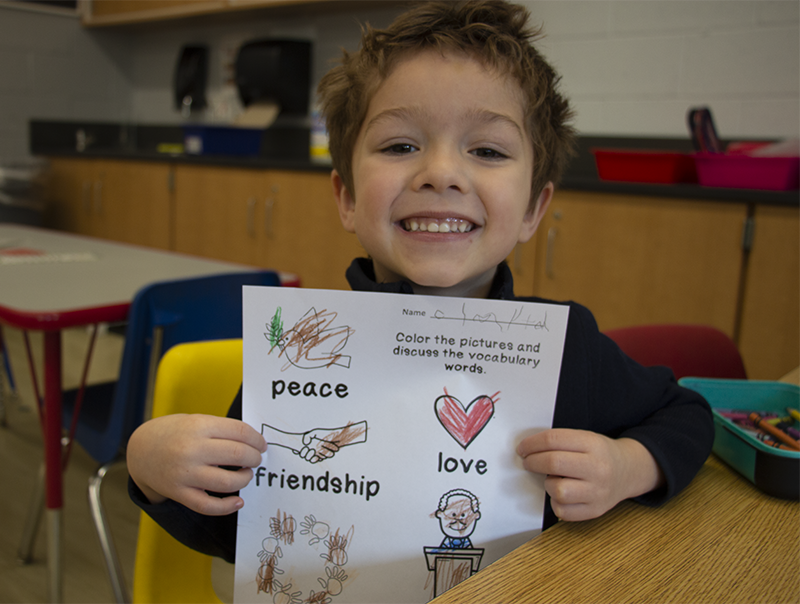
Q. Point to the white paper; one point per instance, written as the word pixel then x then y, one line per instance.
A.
pixel 423 397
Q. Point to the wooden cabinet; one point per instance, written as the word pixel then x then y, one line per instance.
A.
pixel 276 219
pixel 121 12
pixel 630 259
pixel 113 199
pixel 112 12
pixel 635 260
pixel 770 331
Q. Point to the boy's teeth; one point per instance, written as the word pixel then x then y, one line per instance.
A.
pixel 432 225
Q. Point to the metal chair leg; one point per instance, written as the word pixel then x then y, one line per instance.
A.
pixel 3 415
pixel 113 566
pixel 25 551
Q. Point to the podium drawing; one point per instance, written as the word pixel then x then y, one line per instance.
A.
pixel 455 559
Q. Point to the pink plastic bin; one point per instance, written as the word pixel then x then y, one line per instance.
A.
pixel 747 171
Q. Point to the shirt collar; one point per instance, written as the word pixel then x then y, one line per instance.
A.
pixel 361 277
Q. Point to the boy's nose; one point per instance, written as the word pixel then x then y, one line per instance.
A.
pixel 440 170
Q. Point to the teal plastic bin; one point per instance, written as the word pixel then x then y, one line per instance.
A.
pixel 774 471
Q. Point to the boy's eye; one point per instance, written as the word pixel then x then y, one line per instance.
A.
pixel 487 153
pixel 399 149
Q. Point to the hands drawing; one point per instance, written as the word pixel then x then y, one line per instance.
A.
pixel 317 444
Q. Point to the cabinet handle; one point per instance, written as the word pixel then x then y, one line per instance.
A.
pixel 269 204
pixel 552 232
pixel 251 217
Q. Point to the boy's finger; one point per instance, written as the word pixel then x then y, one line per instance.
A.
pixel 226 428
pixel 555 439
pixel 556 463
pixel 205 504
pixel 218 452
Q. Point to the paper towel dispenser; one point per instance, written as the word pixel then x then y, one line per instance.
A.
pixel 278 71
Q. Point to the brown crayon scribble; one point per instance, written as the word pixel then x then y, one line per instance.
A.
pixel 301 344
pixel 337 547
pixel 349 434
pixel 268 556
pixel 283 529
pixel 321 597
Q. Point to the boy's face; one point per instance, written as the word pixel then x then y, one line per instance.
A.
pixel 442 171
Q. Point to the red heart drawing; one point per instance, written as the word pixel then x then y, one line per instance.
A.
pixel 464 424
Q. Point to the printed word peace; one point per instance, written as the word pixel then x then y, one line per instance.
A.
pixel 451 464
pixel 308 389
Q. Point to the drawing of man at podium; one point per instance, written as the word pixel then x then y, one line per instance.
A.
pixel 455 559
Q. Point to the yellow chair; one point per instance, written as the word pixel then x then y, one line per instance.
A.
pixel 197 377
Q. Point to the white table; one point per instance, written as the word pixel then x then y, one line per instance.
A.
pixel 50 281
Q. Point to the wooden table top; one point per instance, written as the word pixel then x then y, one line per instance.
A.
pixel 721 540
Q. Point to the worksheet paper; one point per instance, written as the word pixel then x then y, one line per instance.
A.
pixel 392 424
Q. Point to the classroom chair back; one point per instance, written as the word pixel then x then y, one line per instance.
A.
pixel 198 377
pixel 689 350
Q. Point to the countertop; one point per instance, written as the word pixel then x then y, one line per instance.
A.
pixel 140 142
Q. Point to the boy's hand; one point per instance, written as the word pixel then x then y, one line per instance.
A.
pixel 588 473
pixel 178 457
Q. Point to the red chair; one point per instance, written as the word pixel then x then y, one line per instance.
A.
pixel 689 350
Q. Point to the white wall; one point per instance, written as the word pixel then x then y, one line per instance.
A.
pixel 631 67
pixel 52 68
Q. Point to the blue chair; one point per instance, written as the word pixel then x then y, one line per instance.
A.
pixel 161 316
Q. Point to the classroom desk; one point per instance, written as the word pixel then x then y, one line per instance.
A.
pixel 719 541
pixel 50 281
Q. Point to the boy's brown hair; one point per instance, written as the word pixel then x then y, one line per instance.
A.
pixel 493 31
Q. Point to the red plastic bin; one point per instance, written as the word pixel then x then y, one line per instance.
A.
pixel 660 167
pixel 748 171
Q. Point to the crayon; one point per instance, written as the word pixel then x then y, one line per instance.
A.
pixel 771 442
pixel 734 415
pixel 779 420
pixel 791 431
pixel 794 413
pixel 773 431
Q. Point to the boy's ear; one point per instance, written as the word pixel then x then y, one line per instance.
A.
pixel 534 216
pixel 345 203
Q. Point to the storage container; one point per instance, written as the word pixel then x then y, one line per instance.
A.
pixel 222 140
pixel 660 167
pixel 748 171
pixel 774 471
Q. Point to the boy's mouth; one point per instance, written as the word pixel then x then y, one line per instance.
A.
pixel 436 225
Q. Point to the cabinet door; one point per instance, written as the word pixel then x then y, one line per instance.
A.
pixel 216 212
pixel 131 202
pixel 70 195
pixel 113 199
pixel 638 260
pixel 770 333
pixel 302 232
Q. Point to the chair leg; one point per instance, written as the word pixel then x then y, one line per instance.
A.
pixel 3 416
pixel 25 551
pixel 113 566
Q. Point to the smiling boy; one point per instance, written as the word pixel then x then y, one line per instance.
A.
pixel 447 136
pixel 443 164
